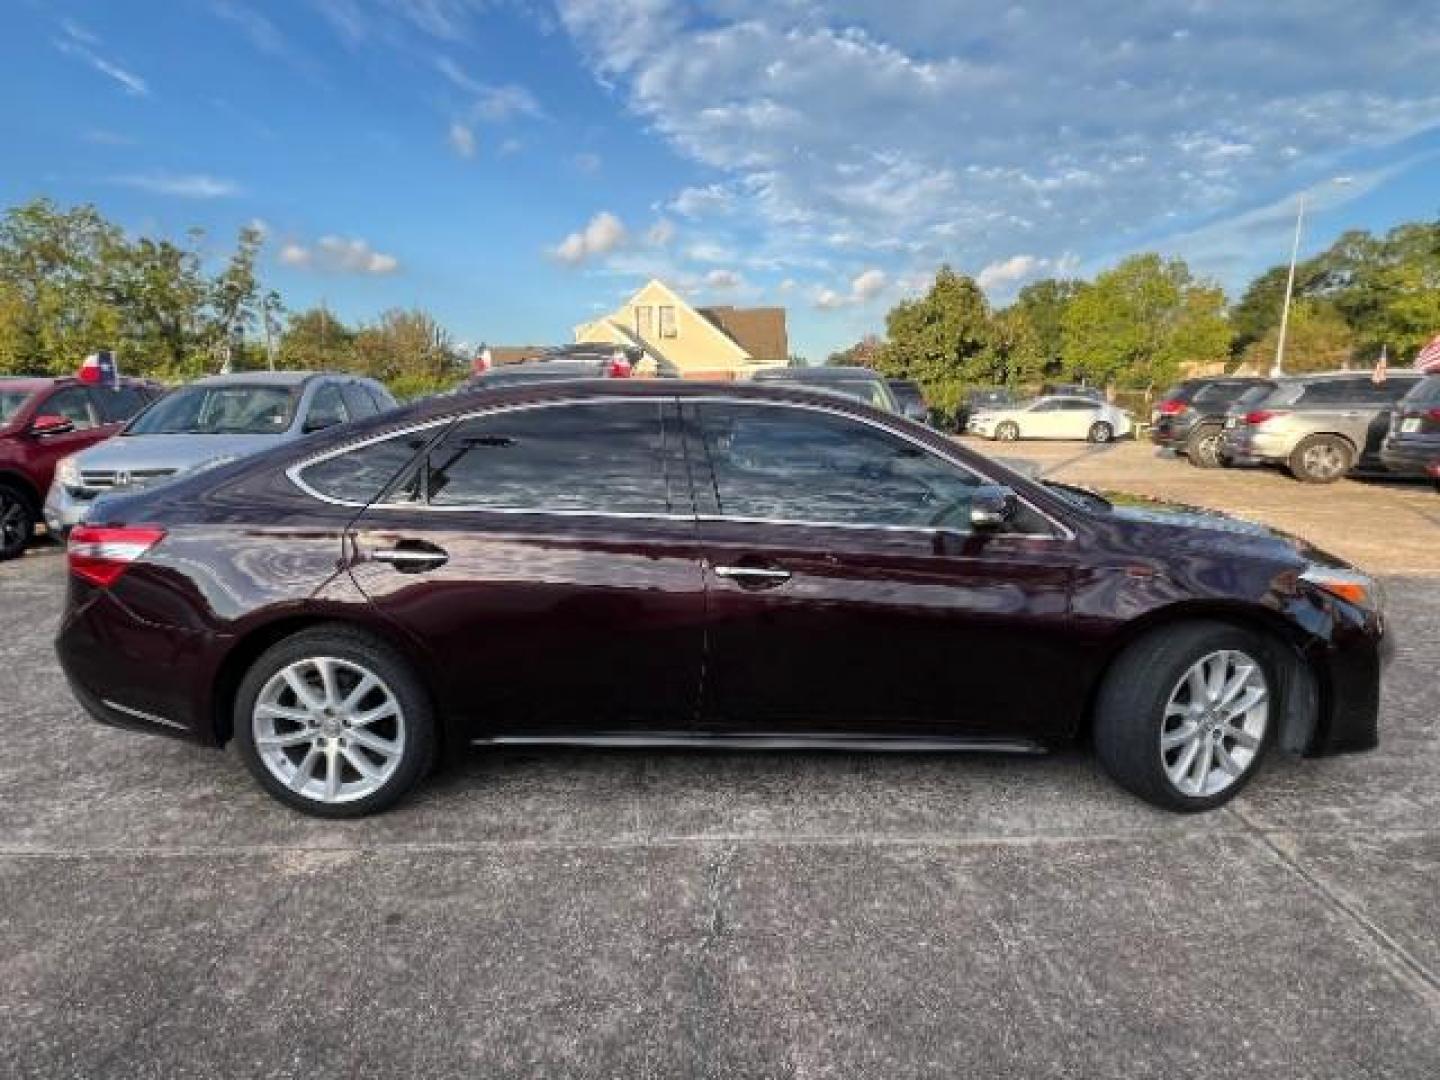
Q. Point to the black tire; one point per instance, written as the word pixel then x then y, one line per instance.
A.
pixel 1202 448
pixel 1009 431
pixel 1100 432
pixel 1130 709
pixel 345 644
pixel 1321 459
pixel 17 521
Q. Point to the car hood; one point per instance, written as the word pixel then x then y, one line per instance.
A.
pixel 1198 527
pixel 178 452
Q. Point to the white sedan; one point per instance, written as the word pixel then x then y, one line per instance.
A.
pixel 1057 416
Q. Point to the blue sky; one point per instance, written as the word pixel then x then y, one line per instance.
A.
pixel 516 166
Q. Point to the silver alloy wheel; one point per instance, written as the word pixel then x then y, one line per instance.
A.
pixel 1207 449
pixel 1324 460
pixel 1215 723
pixel 329 729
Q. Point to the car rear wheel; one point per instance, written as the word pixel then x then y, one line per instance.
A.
pixel 1101 432
pixel 17 522
pixel 1321 459
pixel 334 723
pixel 1186 714
pixel 1202 449
pixel 1008 431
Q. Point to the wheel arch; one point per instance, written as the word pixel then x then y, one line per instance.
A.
pixel 1301 688
pixel 18 481
pixel 251 645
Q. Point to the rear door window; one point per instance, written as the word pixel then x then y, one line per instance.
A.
pixel 1335 391
pixel 120 404
pixel 589 457
pixel 358 402
pixel 327 408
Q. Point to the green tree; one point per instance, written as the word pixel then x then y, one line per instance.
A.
pixel 1014 355
pixel 864 353
pixel 940 339
pixel 408 350
pixel 1043 304
pixel 1317 339
pixel 235 297
pixel 1140 321
pixel 315 340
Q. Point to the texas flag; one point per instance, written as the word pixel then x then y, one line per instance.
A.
pixel 483 361
pixel 100 369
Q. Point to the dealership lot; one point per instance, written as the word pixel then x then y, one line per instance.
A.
pixel 669 914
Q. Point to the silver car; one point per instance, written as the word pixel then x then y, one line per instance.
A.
pixel 207 423
pixel 1319 427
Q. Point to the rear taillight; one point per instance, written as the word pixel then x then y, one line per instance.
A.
pixel 1432 414
pixel 1261 416
pixel 1170 408
pixel 619 369
pixel 100 554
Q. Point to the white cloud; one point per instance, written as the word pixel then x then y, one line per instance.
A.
pixel 339 255
pixel 181 185
pixel 586 162
pixel 491 103
pixel 894 133
pixel 724 280
pixel 1007 271
pixel 604 233
pixel 864 287
pixel 868 285
pixel 462 140
pixel 81 44
pixel 661 233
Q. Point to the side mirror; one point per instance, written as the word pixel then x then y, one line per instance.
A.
pixel 319 423
pixel 51 424
pixel 992 507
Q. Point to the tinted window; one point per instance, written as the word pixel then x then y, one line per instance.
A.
pixel 326 408
pixel 1077 405
pixel 359 475
pixel 231 409
pixel 1426 390
pixel 1388 392
pixel 1219 394
pixel 119 404
pixel 593 456
pixel 358 402
pixel 1327 391
pixel 11 402
pixel 73 404
pixel 792 464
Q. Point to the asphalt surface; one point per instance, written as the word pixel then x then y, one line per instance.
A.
pixel 730 915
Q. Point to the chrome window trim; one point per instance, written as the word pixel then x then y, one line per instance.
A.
pixel 294 472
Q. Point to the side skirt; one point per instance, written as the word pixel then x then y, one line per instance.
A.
pixel 660 740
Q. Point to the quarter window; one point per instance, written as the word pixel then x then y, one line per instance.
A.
pixel 599 457
pixel 357 402
pixel 782 463
pixel 73 404
pixel 360 475
pixel 119 404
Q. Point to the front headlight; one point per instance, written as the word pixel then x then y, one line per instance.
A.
pixel 1349 585
pixel 67 472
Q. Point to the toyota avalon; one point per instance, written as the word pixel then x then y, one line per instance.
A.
pixel 637 562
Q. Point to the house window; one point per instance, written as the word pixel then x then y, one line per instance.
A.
pixel 667 321
pixel 644 320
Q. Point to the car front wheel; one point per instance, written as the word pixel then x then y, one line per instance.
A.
pixel 17 522
pixel 1101 432
pixel 1008 432
pixel 1321 459
pixel 1203 447
pixel 334 723
pixel 1186 714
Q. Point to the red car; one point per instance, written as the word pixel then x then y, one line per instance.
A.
pixel 41 421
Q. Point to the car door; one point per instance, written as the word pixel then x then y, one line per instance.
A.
pixel 1041 420
pixel 849 594
pixel 545 557
pixel 75 405
pixel 1074 417
pixel 1382 399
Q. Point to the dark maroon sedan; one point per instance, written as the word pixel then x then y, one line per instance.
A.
pixel 632 563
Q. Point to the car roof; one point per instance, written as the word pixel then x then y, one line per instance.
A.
pixel 817 374
pixel 269 378
pixel 1334 376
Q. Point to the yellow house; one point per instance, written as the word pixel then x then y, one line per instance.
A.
pixel 704 343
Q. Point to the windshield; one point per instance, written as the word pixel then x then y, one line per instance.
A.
pixel 219 410
pixel 11 402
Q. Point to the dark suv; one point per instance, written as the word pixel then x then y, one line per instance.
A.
pixel 41 421
pixel 1190 418
pixel 1412 446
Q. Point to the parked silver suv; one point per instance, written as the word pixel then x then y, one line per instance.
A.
pixel 1320 427
pixel 207 423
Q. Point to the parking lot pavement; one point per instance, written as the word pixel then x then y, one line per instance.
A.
pixel 683 914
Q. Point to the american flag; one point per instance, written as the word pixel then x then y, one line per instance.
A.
pixel 1429 359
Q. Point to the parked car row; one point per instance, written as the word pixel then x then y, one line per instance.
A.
pixel 63 444
pixel 1317 427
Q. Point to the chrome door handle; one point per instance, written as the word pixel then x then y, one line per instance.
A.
pixel 755 574
pixel 410 560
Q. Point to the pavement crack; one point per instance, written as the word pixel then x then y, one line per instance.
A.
pixel 1392 950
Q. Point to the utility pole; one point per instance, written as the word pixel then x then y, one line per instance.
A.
pixel 1278 368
